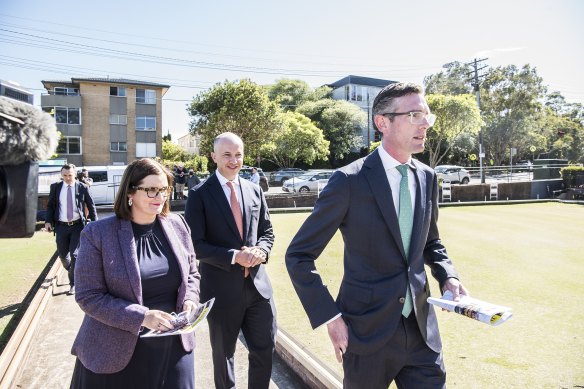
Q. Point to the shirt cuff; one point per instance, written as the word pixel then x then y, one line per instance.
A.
pixel 331 320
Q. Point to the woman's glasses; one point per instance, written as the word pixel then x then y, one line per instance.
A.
pixel 153 192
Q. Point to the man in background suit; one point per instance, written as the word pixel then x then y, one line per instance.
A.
pixel 68 200
pixel 232 235
pixel 381 327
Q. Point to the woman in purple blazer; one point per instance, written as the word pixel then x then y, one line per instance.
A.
pixel 133 269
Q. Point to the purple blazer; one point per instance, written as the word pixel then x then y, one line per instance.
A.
pixel 109 291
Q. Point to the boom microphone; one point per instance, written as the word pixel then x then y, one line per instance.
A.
pixel 26 136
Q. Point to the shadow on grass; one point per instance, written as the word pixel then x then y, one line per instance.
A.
pixel 18 310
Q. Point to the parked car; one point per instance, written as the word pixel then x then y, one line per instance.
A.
pixel 455 174
pixel 245 172
pixel 310 181
pixel 523 166
pixel 279 176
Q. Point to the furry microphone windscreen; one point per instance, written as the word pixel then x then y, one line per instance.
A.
pixel 26 133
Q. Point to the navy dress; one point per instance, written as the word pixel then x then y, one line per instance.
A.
pixel 156 362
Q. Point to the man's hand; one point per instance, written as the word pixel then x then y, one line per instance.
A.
pixel 339 334
pixel 250 256
pixel 48 227
pixel 455 287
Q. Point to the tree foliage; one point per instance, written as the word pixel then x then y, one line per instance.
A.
pixel 517 112
pixel 457 115
pixel 340 121
pixel 241 107
pixel 173 154
pixel 289 94
pixel 299 140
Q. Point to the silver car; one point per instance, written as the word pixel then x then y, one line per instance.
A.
pixel 455 174
pixel 308 182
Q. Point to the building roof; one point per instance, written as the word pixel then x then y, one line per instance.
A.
pixel 360 80
pixel 75 81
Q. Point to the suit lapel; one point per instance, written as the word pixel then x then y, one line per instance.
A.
pixel 174 244
pixel 420 205
pixel 218 195
pixel 377 178
pixel 129 252
pixel 246 198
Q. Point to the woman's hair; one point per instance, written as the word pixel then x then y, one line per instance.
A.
pixel 133 176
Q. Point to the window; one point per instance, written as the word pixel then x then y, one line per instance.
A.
pixel 117 91
pixel 63 91
pixel 145 96
pixel 65 115
pixel 69 145
pixel 118 119
pixel 145 123
pixel 145 150
pixel 118 146
pixel 98 176
pixel 357 93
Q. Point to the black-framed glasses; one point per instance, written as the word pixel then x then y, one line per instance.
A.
pixel 416 117
pixel 153 191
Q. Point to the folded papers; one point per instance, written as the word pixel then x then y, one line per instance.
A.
pixel 474 308
pixel 184 322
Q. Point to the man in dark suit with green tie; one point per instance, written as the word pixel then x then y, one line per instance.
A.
pixel 386 207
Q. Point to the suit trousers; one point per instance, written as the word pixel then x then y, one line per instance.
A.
pixel 256 318
pixel 405 358
pixel 68 245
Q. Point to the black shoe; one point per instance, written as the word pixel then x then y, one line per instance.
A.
pixel 71 290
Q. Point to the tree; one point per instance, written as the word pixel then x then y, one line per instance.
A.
pixel 290 94
pixel 453 81
pixel 173 152
pixel 299 140
pixel 457 115
pixel 340 121
pixel 241 107
pixel 512 108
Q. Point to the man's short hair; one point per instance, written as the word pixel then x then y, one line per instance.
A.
pixel 385 99
pixel 68 166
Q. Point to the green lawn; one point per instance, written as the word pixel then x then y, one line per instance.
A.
pixel 21 263
pixel 527 256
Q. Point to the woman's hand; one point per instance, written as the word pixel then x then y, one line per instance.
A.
pixel 189 306
pixel 157 320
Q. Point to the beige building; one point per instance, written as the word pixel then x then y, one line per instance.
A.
pixel 106 121
pixel 190 143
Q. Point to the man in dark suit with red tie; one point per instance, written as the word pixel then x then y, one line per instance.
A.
pixel 386 207
pixel 232 235
pixel 66 206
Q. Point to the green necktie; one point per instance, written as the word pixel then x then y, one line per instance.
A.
pixel 406 223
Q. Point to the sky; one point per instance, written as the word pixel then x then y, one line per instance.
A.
pixel 192 45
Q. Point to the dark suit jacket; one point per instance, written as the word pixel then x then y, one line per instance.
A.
pixel 82 199
pixel 109 290
pixel 215 237
pixel 358 201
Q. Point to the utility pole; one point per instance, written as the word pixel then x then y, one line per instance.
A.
pixel 475 83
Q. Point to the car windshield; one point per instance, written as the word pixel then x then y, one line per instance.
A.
pixel 305 176
pixel 440 169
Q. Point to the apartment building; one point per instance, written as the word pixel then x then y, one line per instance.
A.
pixel 361 91
pixel 14 91
pixel 106 121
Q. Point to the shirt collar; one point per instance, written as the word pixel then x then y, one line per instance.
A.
pixel 390 162
pixel 223 180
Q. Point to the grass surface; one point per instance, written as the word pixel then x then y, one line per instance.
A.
pixel 527 256
pixel 21 263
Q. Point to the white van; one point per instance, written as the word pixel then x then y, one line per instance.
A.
pixel 106 180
